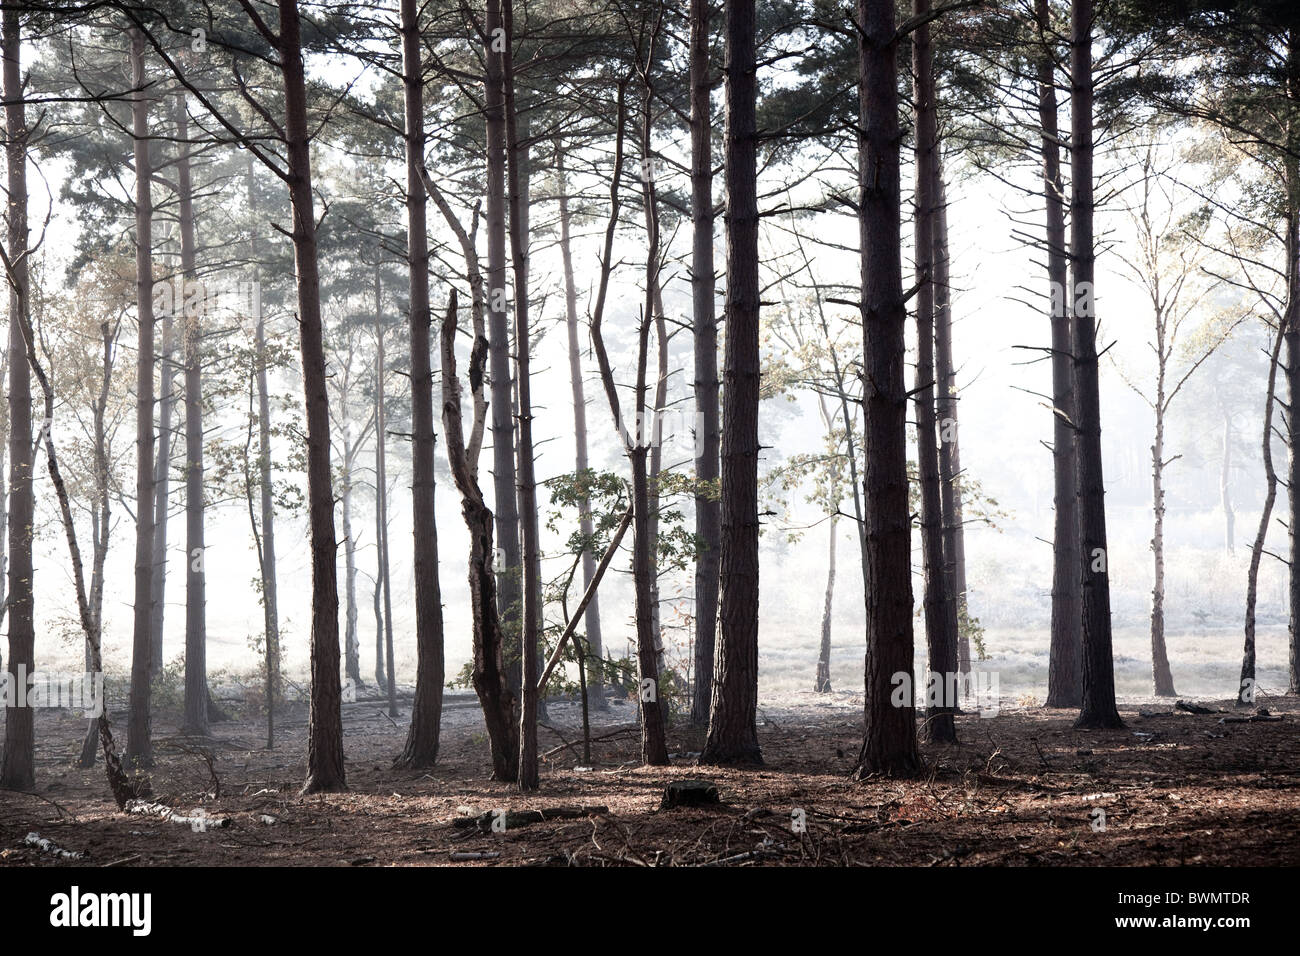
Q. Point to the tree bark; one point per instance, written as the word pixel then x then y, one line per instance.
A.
pixel 491 681
pixel 950 498
pixel 1293 367
pixel 266 553
pixel 889 740
pixel 101 526
pixel 708 514
pixel 507 562
pixel 532 611
pixel 162 488
pixel 139 747
pixel 325 769
pixel 823 685
pixel 351 641
pixel 733 735
pixel 421 748
pixel 1160 673
pixel 382 579
pixel 1098 701
pixel 654 749
pixel 18 767
pixel 1064 663
pixel 1246 685
pixel 595 689
pixel 940 612
pixel 196 637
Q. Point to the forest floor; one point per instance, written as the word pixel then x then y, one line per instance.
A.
pixel 1020 789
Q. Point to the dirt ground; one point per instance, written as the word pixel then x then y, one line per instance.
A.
pixel 1020 789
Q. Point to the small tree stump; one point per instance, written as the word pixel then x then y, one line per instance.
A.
pixel 689 793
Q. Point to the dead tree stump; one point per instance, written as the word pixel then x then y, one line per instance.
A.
pixel 689 793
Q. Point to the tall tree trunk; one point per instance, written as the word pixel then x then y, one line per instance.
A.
pixel 266 553
pixel 530 633
pixel 351 640
pixel 381 670
pixel 522 157
pixel 101 526
pixel 507 560
pixel 889 741
pixel 1293 366
pixel 940 612
pixel 945 373
pixel 18 768
pixel 139 746
pixel 708 514
pixel 653 422
pixel 4 496
pixel 162 485
pixel 593 646
pixel 1064 687
pixel 733 734
pixel 196 635
pixel 823 685
pixel 1163 678
pixel 1246 686
pixel 383 580
pixel 421 748
pixel 1098 702
pixel 654 748
pixel 325 769
pixel 488 670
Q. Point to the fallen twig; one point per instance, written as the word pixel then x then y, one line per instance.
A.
pixel 48 846
pixel 199 822
pixel 522 818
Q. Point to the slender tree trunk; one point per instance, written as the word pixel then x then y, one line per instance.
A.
pixel 196 636
pixel 595 690
pixel 266 567
pixel 381 671
pixel 351 641
pixel 383 578
pixel 521 155
pixel 708 514
pixel 491 682
pixel 4 495
pixel 421 748
pixel 507 561
pixel 1163 678
pixel 139 746
pixel 654 749
pixel 1064 688
pixel 162 485
pixel 940 612
pixel 733 733
pixel 101 527
pixel 530 634
pixel 653 422
pixel 1098 706
pixel 122 788
pixel 1246 686
pixel 18 767
pixel 954 550
pixel 325 768
pixel 1293 367
pixel 889 741
pixel 823 685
